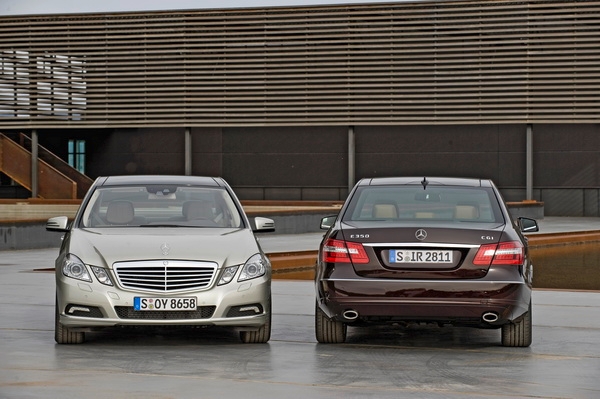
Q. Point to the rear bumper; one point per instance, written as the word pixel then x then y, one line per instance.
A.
pixel 448 301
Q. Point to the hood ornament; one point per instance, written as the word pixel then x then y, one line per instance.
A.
pixel 165 249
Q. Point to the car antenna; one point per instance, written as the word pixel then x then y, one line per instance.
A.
pixel 424 183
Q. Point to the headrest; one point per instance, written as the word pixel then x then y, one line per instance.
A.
pixel 120 212
pixel 385 211
pixel 466 212
pixel 197 210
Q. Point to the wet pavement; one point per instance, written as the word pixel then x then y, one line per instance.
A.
pixel 417 361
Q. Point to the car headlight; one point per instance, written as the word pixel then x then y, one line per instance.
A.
pixel 73 267
pixel 254 267
pixel 102 275
pixel 228 275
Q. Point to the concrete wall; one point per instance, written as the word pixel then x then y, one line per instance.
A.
pixel 27 235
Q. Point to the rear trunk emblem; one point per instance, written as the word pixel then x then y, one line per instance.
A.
pixel 421 234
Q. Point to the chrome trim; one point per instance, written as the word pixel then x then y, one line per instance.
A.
pixel 457 281
pixel 165 276
pixel 419 244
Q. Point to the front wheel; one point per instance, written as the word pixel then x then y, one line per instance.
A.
pixel 260 336
pixel 328 331
pixel 63 334
pixel 518 334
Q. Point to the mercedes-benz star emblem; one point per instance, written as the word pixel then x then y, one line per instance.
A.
pixel 165 248
pixel 421 234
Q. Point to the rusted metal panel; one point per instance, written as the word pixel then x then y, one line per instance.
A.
pixel 53 184
pixel 82 181
pixel 16 163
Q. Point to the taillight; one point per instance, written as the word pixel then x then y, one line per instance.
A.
pixel 504 253
pixel 338 251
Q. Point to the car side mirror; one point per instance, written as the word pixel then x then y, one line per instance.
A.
pixel 263 225
pixel 528 225
pixel 327 222
pixel 58 223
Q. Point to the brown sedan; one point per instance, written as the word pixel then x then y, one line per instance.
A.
pixel 440 250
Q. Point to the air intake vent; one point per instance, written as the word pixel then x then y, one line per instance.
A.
pixel 127 312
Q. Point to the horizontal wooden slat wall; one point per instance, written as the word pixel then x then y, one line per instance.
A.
pixel 403 63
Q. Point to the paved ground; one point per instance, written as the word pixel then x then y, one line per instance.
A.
pixel 415 362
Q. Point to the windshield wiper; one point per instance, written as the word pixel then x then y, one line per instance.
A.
pixel 164 225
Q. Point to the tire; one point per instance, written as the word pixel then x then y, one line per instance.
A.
pixel 518 334
pixel 260 336
pixel 63 334
pixel 328 331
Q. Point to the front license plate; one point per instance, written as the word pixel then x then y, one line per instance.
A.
pixel 419 256
pixel 170 304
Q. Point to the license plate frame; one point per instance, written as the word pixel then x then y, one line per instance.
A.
pixel 165 304
pixel 421 256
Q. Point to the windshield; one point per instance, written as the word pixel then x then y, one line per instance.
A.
pixel 164 205
pixel 410 203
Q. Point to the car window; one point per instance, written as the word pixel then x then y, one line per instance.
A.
pixel 460 204
pixel 155 205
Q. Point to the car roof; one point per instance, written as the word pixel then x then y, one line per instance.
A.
pixel 433 181
pixel 160 179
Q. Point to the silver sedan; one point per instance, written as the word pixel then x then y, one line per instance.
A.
pixel 161 251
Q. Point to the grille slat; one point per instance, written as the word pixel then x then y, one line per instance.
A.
pixel 165 276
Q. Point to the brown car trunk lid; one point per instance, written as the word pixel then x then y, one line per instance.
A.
pixel 423 252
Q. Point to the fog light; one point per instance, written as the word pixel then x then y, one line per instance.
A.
pixel 254 309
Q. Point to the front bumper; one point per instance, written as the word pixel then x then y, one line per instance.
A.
pixel 245 305
pixel 502 292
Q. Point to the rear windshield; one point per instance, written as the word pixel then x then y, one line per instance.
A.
pixel 461 204
pixel 164 205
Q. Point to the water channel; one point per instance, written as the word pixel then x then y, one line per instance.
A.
pixel 571 266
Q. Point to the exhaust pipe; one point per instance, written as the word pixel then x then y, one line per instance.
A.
pixel 350 314
pixel 490 317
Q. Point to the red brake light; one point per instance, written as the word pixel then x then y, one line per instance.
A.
pixel 338 251
pixel 504 253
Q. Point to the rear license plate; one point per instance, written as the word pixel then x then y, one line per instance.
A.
pixel 170 304
pixel 419 256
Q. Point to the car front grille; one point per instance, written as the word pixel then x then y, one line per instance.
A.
pixel 165 275
pixel 202 312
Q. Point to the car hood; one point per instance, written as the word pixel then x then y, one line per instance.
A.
pixel 103 247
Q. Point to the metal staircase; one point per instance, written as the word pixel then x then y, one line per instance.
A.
pixel 56 178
